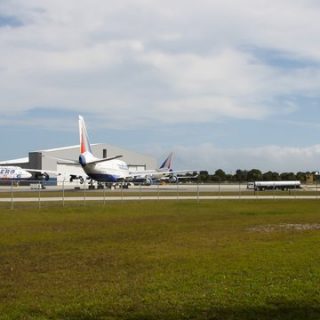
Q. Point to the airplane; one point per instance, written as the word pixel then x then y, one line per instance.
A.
pixel 105 170
pixel 164 172
pixel 14 173
pixel 18 173
pixel 112 170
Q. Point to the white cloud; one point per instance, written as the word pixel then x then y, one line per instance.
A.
pixel 281 159
pixel 150 59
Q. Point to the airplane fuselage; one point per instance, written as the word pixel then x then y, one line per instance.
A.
pixel 109 171
pixel 154 174
pixel 14 173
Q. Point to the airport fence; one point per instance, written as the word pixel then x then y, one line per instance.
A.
pixel 38 194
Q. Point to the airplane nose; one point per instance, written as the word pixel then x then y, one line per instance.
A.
pixel 27 175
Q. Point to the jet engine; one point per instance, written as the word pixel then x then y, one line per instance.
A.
pixel 173 179
pixel 82 160
pixel 148 180
pixel 42 175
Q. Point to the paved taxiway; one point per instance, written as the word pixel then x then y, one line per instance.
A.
pixel 145 189
pixel 153 188
pixel 154 192
pixel 146 198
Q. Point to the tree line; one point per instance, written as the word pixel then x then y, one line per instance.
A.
pixel 252 175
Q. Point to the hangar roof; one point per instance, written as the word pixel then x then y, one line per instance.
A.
pixel 15 161
pixel 56 149
pixel 69 147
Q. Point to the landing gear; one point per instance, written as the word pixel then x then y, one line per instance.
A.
pixel 100 186
pixel 42 176
pixel 120 185
pixel 91 185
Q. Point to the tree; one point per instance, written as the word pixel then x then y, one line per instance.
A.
pixel 301 176
pixel 271 176
pixel 203 176
pixel 241 175
pixel 254 175
pixel 288 176
pixel 219 175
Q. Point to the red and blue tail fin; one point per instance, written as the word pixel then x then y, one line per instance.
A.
pixel 84 140
pixel 167 163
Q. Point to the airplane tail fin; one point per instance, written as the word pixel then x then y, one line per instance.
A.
pixel 86 155
pixel 167 163
pixel 84 140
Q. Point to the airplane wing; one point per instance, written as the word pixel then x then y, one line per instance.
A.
pixel 64 160
pixel 76 162
pixel 142 174
pixel 43 171
pixel 105 159
pixel 193 176
pixel 181 173
pixel 157 173
pixel 45 174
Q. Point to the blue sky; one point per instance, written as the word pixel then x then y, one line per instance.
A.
pixel 223 84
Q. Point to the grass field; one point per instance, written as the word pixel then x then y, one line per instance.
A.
pixel 162 260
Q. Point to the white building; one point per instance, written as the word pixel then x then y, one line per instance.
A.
pixel 50 159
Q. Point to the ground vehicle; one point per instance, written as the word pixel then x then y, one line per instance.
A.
pixel 274 185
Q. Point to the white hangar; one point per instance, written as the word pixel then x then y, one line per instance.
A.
pixel 51 160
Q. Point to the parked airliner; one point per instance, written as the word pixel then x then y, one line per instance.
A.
pixel 18 173
pixel 102 170
pixel 111 170
pixel 14 173
pixel 164 173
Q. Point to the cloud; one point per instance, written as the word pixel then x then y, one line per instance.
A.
pixel 265 158
pixel 164 62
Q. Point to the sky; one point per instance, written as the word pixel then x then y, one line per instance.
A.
pixel 223 84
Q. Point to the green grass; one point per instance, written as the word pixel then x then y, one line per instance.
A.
pixel 161 260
